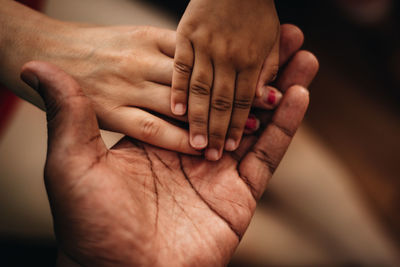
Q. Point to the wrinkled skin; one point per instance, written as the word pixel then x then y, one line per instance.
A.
pixel 139 205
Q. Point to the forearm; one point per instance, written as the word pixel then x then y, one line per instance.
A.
pixel 25 35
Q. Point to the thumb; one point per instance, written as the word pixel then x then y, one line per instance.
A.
pixel 71 121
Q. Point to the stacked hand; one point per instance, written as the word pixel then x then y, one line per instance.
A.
pixel 139 205
pixel 125 71
pixel 221 48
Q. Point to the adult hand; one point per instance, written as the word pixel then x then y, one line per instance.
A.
pixel 126 71
pixel 221 49
pixel 139 205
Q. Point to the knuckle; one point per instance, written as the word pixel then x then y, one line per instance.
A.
pixel 149 128
pixel 183 68
pixel 221 103
pixel 285 130
pixel 216 136
pixel 267 159
pixel 243 102
pixel 178 90
pixel 142 32
pixel 198 121
pixel 202 37
pixel 246 62
pixel 225 52
pixel 75 104
pixel 188 28
pixel 198 87
pixel 248 59
pixel 236 128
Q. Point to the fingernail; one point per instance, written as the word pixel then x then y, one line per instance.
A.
pixel 30 79
pixel 273 97
pixel 212 154
pixel 199 141
pixel 252 123
pixel 180 109
pixel 230 145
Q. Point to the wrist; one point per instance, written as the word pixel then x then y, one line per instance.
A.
pixel 24 36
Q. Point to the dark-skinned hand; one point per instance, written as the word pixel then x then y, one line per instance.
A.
pixel 138 205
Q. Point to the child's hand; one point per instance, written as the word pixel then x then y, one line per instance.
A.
pixel 222 45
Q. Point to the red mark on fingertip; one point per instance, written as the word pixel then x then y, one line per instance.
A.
pixel 251 122
pixel 271 97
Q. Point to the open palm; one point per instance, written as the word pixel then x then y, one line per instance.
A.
pixel 139 205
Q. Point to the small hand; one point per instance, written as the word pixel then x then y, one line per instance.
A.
pixel 139 205
pixel 221 49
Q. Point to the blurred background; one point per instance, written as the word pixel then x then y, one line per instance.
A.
pixel 334 200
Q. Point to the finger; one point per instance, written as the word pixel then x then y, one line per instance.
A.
pixel 270 69
pixel 270 98
pixel 291 40
pixel 148 128
pixel 199 99
pixel 263 159
pixel 246 82
pixel 166 42
pixel 155 97
pixel 300 70
pixel 72 124
pixel 183 64
pixel 252 124
pixel 303 62
pixel 158 69
pixel 152 96
pixel 220 110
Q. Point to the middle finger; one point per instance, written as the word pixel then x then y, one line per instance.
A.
pixel 220 110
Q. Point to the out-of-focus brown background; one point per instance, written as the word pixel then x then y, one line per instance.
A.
pixel 335 198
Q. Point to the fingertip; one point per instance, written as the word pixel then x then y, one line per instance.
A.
pixel 311 60
pixel 252 124
pixel 30 78
pixel 298 95
pixel 198 141
pixel 30 72
pixel 291 31
pixel 270 99
pixel 212 154
pixel 231 145
pixel 48 79
pixel 300 90
pixel 292 38
pixel 178 109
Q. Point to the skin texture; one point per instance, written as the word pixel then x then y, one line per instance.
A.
pixel 221 48
pixel 136 204
pixel 126 70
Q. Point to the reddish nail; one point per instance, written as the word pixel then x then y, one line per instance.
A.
pixel 251 122
pixel 271 99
